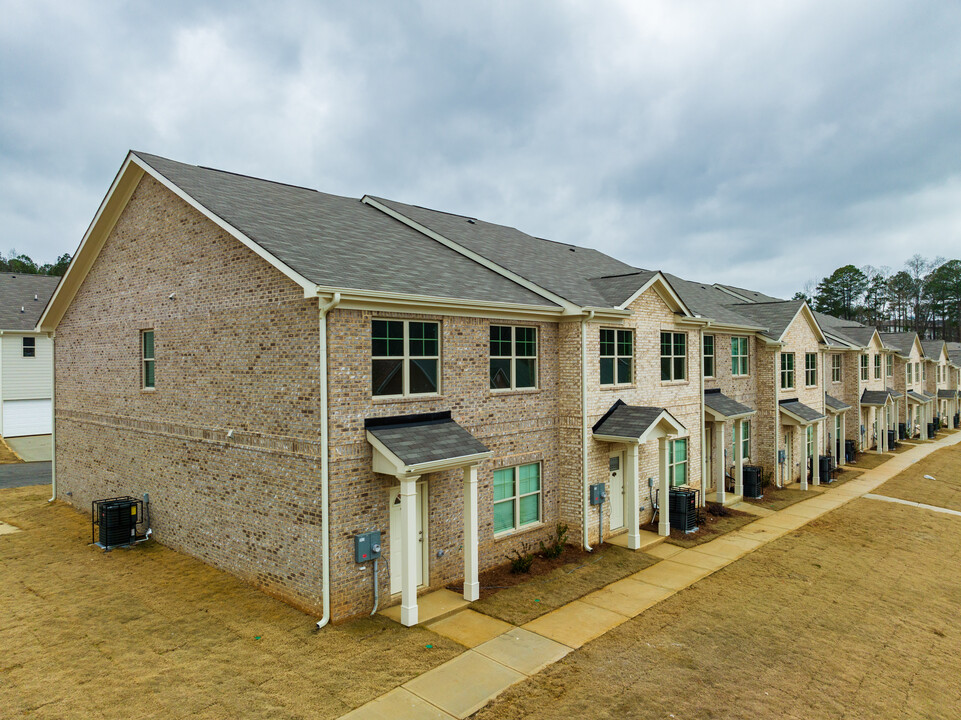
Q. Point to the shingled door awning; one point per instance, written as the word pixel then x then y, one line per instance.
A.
pixel 917 397
pixel 875 398
pixel 797 413
pixel 894 393
pixel 420 444
pixel 947 394
pixel 834 405
pixel 636 424
pixel 721 407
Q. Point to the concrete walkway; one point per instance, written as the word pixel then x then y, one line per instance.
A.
pixel 501 655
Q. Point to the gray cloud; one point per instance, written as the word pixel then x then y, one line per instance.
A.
pixel 758 144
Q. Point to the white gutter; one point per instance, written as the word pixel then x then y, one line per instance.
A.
pixel 53 418
pixel 585 494
pixel 325 456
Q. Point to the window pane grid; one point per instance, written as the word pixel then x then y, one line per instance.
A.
pixel 617 357
pixel 708 356
pixel 677 462
pixel 513 361
pixel 517 497
pixel 739 363
pixel 147 358
pixel 836 368
pixel 810 369
pixel 673 356
pixel 787 371
pixel 405 357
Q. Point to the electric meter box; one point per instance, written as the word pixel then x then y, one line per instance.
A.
pixel 367 546
pixel 598 493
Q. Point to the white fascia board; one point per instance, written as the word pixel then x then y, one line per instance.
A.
pixel 736 329
pixel 386 462
pixel 716 415
pixel 448 463
pixel 569 307
pixel 806 311
pixel 798 420
pixel 306 284
pixel 616 439
pixel 655 430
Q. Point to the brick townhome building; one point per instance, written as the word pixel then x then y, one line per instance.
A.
pixel 282 369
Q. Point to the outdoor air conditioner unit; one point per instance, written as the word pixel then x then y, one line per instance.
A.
pixel 113 521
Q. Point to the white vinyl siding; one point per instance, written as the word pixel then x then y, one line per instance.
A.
pixel 26 378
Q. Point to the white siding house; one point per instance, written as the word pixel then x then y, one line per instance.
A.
pixel 26 365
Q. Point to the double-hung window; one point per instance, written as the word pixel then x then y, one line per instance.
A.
pixel 889 366
pixel 810 441
pixel 787 371
pixel 924 371
pixel 836 368
pixel 617 356
pixel 877 366
pixel 708 353
pixel 810 369
pixel 147 359
pixel 513 359
pixel 864 367
pixel 673 356
pixel 677 462
pixel 29 347
pixel 517 497
pixel 917 372
pixel 910 374
pixel 746 439
pixel 405 356
pixel 739 364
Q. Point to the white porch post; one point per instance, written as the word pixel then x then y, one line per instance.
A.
pixel 664 520
pixel 804 454
pixel 876 424
pixel 471 583
pixel 816 453
pixel 739 457
pixel 842 456
pixel 922 413
pixel 882 428
pixel 632 499
pixel 721 484
pixel 409 549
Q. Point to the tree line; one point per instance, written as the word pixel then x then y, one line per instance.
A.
pixel 14 262
pixel 924 296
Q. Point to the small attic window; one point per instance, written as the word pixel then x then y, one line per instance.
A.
pixel 29 347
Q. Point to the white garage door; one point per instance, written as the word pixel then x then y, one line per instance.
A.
pixel 26 417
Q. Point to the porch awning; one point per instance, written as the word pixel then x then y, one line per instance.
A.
pixel 947 394
pixel 875 397
pixel 418 444
pixel 918 397
pixel 636 424
pixel 799 413
pixel 720 407
pixel 834 405
pixel 894 393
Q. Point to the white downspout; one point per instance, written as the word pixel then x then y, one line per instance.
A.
pixel 701 433
pixel 585 480
pixel 53 417
pixel 325 457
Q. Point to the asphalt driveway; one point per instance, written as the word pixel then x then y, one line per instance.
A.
pixel 22 474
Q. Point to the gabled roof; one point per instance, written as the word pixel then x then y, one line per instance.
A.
pixel 708 301
pixel 834 404
pixel 633 423
pixel 777 316
pixel 799 412
pixel 422 443
pixel 722 407
pixel 954 352
pixel 901 342
pixel 747 295
pixel 875 397
pixel 947 394
pixel 26 293
pixel 932 349
pixel 918 397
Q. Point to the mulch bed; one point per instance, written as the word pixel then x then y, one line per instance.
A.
pixel 501 577
pixel 712 528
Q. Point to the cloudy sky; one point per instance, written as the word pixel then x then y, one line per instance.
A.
pixel 755 143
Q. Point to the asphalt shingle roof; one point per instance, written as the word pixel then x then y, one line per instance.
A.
pixel 707 301
pixel 616 289
pixel 752 295
pixel 918 397
pixel 874 397
pixel 724 405
pixel 947 394
pixel 17 291
pixel 835 404
pixel 628 421
pixel 954 352
pixel 932 348
pixel 338 241
pixel 775 316
pixel 415 440
pixel 798 409
pixel 902 342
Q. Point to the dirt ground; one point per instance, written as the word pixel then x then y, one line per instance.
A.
pixel 151 633
pixel 710 529
pixel 943 491
pixel 776 498
pixel 541 594
pixel 852 616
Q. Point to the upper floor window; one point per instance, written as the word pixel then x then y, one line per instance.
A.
pixel 924 371
pixel 617 356
pixel 513 360
pixel 677 462
pixel 889 366
pixel 877 366
pixel 405 355
pixel 917 372
pixel 517 497
pixel 910 374
pixel 810 369
pixel 864 367
pixel 147 359
pixel 673 356
pixel 836 368
pixel 29 347
pixel 708 356
pixel 787 371
pixel 739 364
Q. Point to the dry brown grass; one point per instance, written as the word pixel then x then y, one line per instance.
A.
pixel 852 616
pixel 944 491
pixel 776 498
pixel 151 633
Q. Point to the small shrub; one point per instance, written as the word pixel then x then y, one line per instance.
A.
pixel 717 510
pixel 521 562
pixel 556 543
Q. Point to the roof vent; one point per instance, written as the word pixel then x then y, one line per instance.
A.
pixel 22 309
pixel 36 297
pixel 471 220
pixel 572 249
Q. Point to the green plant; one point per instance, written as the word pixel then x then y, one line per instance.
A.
pixel 521 561
pixel 717 510
pixel 556 543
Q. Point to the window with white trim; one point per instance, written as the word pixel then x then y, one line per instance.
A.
pixel 787 371
pixel 917 372
pixel 865 363
pixel 746 439
pixel 924 371
pixel 810 369
pixel 708 354
pixel 673 356
pixel 877 366
pixel 677 462
pixel 810 441
pixel 739 359
pixel 147 359
pixel 910 374
pixel 513 357
pixel 29 347
pixel 405 357
pixel 836 367
pixel 617 356
pixel 517 497
pixel 889 365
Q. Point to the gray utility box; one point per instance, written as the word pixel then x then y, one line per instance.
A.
pixel 598 494
pixel 367 546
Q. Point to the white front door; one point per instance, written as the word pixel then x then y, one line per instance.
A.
pixel 395 538
pixel 615 490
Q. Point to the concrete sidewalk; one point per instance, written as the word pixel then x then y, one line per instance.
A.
pixel 501 655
